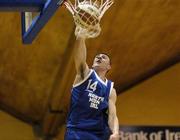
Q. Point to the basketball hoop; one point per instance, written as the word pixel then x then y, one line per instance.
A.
pixel 87 15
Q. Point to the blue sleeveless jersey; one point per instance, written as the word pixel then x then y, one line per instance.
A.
pixel 89 104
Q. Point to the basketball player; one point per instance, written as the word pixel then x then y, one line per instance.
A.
pixel 92 114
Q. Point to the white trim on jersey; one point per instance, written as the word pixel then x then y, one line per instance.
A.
pixel 112 85
pixel 105 83
pixel 75 85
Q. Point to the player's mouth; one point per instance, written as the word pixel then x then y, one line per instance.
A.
pixel 98 61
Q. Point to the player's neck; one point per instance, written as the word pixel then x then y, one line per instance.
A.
pixel 101 74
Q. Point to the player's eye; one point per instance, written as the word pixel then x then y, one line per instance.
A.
pixel 103 57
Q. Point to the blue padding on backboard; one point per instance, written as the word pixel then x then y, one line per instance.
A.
pixel 23 23
pixel 22 5
pixel 39 22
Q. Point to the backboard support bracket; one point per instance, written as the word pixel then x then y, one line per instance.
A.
pixel 31 26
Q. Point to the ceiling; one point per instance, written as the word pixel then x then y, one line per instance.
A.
pixel 142 38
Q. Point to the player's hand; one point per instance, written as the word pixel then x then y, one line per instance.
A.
pixel 81 32
pixel 114 137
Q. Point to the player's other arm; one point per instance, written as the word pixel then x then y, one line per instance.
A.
pixel 81 66
pixel 113 120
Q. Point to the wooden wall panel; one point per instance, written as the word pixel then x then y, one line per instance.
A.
pixel 141 36
pixel 12 128
pixel 27 72
pixel 153 102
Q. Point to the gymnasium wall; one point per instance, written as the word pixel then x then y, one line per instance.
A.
pixel 14 129
pixel 156 101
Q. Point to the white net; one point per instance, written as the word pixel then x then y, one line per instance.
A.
pixel 87 15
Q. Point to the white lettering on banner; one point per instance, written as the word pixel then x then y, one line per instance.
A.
pixel 133 136
pixel 141 135
pixel 156 136
pixel 172 135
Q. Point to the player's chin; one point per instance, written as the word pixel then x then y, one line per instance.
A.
pixel 96 67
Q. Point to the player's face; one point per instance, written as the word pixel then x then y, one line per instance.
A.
pixel 102 61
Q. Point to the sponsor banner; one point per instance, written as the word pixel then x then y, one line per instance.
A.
pixel 149 133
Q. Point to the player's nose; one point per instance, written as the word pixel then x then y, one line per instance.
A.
pixel 99 57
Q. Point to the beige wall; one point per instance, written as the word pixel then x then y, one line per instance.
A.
pixel 14 129
pixel 156 101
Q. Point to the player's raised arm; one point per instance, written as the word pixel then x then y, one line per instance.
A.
pixel 81 66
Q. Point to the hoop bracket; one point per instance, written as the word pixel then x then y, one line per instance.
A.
pixel 31 26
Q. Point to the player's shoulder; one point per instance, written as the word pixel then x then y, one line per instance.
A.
pixel 113 91
pixel 113 94
pixel 79 80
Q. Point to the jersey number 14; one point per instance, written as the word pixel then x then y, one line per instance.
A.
pixel 92 86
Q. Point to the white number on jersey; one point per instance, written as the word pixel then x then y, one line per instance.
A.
pixel 92 86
